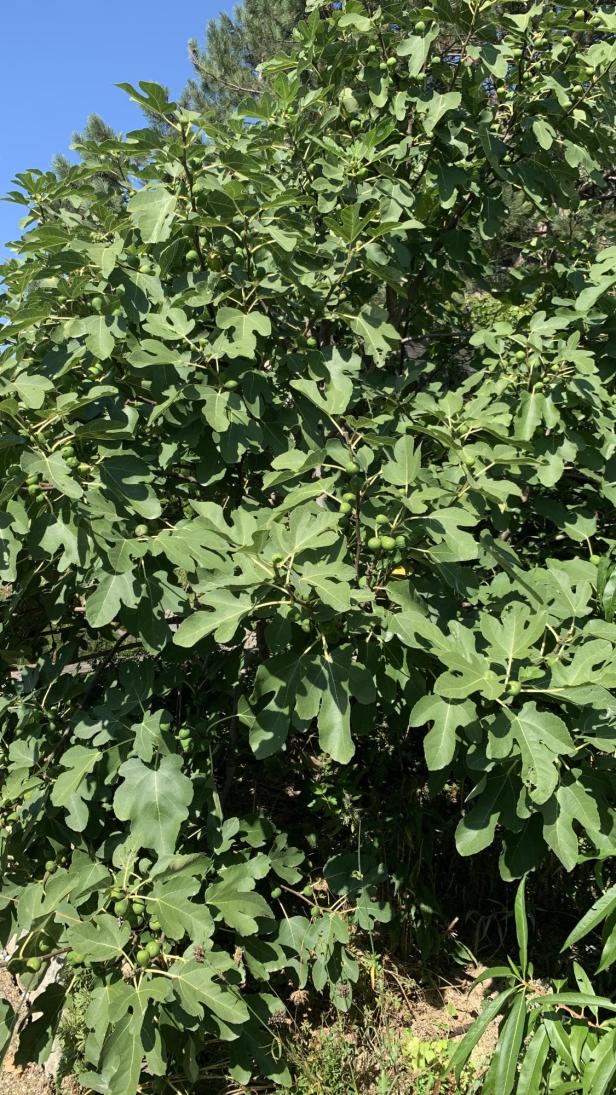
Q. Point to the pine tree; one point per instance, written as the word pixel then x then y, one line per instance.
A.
pixel 95 131
pixel 92 142
pixel 225 69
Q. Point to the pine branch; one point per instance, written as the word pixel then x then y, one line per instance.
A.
pixel 203 71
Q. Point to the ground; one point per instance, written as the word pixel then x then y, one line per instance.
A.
pixel 394 1043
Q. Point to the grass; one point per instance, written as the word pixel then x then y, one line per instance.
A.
pixel 395 1040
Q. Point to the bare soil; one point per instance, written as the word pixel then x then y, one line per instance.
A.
pixel 13 1080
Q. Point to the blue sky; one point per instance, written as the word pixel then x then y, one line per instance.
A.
pixel 61 60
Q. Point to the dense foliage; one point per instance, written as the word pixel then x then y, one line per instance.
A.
pixel 225 68
pixel 305 552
